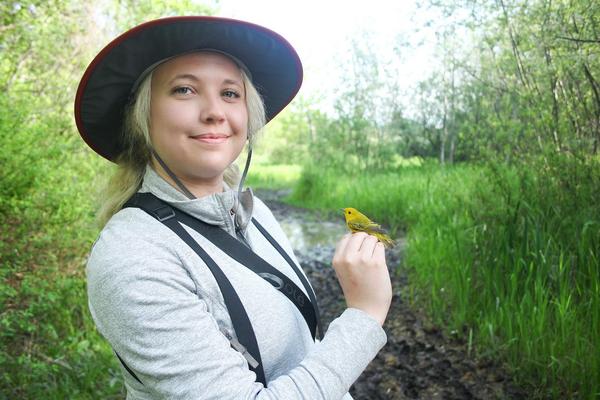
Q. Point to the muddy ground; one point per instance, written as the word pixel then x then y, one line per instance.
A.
pixel 418 361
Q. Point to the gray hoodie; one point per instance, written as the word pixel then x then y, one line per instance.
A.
pixel 160 308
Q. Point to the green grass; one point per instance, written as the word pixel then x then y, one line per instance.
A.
pixel 49 347
pixel 505 258
pixel 273 176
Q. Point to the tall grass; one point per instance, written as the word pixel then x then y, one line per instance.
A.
pixel 49 347
pixel 505 257
pixel 273 176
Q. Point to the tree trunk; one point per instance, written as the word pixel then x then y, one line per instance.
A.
pixel 452 149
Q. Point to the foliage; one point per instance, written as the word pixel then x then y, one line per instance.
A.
pixel 128 13
pixel 535 253
pixel 49 347
pixel 504 257
pixel 526 80
pixel 513 78
pixel 360 135
pixel 503 250
pixel 286 138
pixel 507 258
pixel 280 176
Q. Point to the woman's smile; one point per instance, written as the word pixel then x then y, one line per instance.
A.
pixel 211 138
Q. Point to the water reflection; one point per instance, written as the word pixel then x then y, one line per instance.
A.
pixel 308 234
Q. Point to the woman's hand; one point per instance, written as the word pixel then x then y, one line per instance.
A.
pixel 359 263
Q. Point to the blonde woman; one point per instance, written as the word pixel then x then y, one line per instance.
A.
pixel 192 281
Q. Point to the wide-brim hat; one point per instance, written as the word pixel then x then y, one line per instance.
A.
pixel 107 84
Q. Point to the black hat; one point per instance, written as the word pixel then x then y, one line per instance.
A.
pixel 108 82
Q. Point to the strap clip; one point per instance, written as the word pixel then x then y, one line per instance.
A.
pixel 164 213
pixel 240 348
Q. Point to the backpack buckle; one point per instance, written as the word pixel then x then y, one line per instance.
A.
pixel 164 213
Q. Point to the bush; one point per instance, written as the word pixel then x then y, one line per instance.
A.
pixel 505 256
pixel 49 347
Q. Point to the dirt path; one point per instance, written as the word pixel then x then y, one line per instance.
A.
pixel 418 362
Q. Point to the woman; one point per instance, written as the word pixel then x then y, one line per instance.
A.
pixel 192 282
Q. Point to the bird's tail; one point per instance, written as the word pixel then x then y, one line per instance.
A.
pixel 386 240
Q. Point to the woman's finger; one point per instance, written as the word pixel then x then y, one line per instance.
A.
pixel 379 253
pixel 356 240
pixel 368 245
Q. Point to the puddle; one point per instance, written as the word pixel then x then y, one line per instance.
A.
pixel 314 235
pixel 418 362
pixel 305 235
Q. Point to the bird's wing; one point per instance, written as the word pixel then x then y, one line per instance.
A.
pixel 377 228
pixel 370 226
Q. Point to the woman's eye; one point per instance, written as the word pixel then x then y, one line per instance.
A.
pixel 182 90
pixel 231 94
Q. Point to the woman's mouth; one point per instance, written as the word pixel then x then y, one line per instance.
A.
pixel 211 138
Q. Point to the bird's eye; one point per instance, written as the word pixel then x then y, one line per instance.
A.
pixel 349 212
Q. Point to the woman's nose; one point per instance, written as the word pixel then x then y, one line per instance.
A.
pixel 212 110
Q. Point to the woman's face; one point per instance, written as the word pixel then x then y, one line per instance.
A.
pixel 198 115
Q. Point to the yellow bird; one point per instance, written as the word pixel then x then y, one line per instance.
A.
pixel 358 222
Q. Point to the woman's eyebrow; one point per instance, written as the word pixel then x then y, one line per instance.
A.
pixel 195 78
pixel 232 82
pixel 184 76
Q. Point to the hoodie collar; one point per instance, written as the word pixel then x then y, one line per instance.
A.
pixel 222 209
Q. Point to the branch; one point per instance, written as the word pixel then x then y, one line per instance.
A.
pixel 7 27
pixel 578 40
pixel 471 73
pixel 56 361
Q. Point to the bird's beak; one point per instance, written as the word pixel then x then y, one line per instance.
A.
pixel 342 210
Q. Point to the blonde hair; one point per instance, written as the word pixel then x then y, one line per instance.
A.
pixel 137 147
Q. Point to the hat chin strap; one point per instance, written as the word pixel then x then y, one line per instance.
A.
pixel 245 171
pixel 180 184
pixel 185 190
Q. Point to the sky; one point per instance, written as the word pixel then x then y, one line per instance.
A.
pixel 321 30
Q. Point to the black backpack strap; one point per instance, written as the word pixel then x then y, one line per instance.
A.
pixel 127 368
pixel 245 256
pixel 241 323
pixel 296 269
